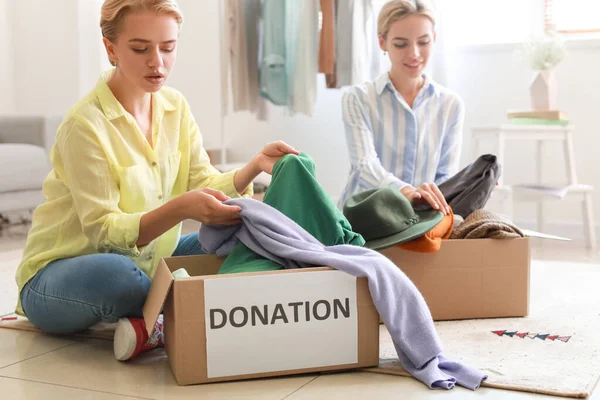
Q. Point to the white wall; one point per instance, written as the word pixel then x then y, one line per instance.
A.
pixel 52 54
pixel 321 136
pixel 7 74
pixel 46 62
pixel 197 70
pixel 91 54
pixel 492 82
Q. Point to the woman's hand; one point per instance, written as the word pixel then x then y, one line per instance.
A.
pixel 205 206
pixel 271 153
pixel 426 193
pixel 263 161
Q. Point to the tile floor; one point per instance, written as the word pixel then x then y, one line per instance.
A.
pixel 34 366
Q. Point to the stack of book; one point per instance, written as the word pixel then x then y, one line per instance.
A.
pixel 539 117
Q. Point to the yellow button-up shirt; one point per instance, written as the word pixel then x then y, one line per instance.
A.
pixel 106 175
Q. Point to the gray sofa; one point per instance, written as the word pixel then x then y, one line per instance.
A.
pixel 25 143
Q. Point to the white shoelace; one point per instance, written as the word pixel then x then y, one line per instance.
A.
pixel 157 335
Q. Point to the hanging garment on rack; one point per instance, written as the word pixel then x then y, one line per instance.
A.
pixel 293 14
pixel 252 15
pixel 327 39
pixel 273 71
pixel 357 47
pixel 366 66
pixel 238 54
pixel 289 64
pixel 304 77
pixel 331 77
pixel 344 49
pixel 224 56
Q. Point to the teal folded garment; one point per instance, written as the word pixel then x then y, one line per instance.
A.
pixel 181 273
pixel 295 192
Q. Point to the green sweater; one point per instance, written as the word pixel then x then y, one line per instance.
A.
pixel 295 192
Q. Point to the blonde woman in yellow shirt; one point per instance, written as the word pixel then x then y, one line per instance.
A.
pixel 128 168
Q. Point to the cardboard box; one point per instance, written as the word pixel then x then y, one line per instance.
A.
pixel 470 278
pixel 252 325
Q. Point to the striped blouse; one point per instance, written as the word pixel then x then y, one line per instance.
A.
pixel 392 144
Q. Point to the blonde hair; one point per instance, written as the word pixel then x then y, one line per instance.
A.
pixel 114 11
pixel 394 10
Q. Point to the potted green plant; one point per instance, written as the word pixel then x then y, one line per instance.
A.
pixel 543 55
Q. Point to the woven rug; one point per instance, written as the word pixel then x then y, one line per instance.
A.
pixel 555 350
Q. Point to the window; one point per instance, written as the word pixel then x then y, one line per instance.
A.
pixel 572 16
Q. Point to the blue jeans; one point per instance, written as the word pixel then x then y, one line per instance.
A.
pixel 72 294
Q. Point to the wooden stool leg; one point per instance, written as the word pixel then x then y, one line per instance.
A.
pixel 588 221
pixel 507 204
pixel 541 219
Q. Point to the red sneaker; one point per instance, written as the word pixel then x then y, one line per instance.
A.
pixel 131 337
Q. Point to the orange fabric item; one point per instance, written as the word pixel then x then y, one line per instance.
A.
pixel 432 240
pixel 327 41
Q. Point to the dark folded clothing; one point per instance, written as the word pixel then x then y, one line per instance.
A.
pixel 471 188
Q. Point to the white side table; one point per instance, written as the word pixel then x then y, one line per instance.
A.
pixel 540 134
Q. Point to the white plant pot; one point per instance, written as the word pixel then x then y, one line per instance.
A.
pixel 544 91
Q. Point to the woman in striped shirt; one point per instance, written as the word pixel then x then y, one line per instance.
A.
pixel 403 129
